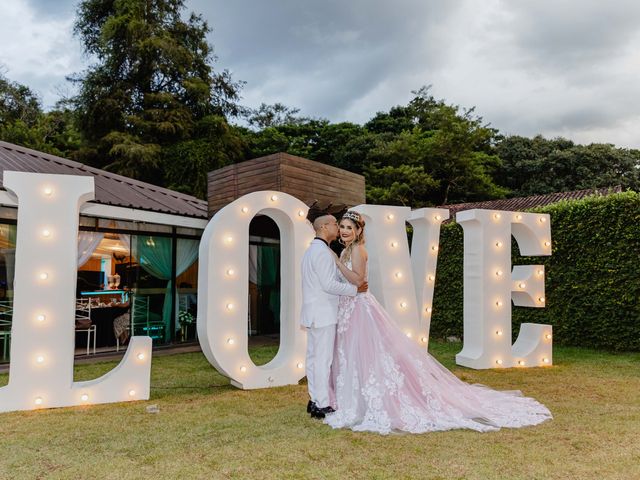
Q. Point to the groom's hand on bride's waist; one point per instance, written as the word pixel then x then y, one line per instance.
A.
pixel 364 287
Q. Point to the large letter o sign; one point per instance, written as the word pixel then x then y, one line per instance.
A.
pixel 223 290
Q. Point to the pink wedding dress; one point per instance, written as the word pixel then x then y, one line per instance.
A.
pixel 384 382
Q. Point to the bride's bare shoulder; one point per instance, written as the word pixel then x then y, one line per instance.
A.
pixel 359 251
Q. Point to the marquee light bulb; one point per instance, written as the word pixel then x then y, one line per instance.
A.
pixel 41 317
pixel 498 273
pixel 431 278
pixel 44 276
pixel 547 243
pixel 428 309
pixel 498 244
pixel 438 217
pixel 140 356
pixel 230 341
pixel 398 274
pixel 38 400
pixel 498 362
pixel 498 303
pixel 301 213
pixel 541 299
pixel 542 219
pixel 244 209
pixel 299 365
pixel 403 304
pixel 243 369
pixel 423 339
pixel 518 217
pixel 132 393
pixel 521 362
pixel 393 244
pixel 274 198
pixel 46 233
pixel 540 272
pixel 228 239
pixel 434 248
pixel 548 336
pixel 84 397
pixel 48 191
pixel 497 216
pixel 391 216
pixel 231 272
pixel 499 332
pixel 545 360
pixel 40 359
pixel 522 285
pixel 229 306
pixel 409 335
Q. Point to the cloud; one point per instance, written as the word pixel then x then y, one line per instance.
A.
pixel 326 57
pixel 38 50
pixel 555 67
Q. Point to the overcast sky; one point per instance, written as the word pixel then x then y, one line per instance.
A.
pixel 557 67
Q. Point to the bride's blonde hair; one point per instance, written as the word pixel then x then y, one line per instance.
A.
pixel 358 221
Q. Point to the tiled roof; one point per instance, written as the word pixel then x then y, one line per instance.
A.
pixel 111 189
pixel 520 204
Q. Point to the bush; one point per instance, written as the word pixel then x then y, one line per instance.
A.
pixel 592 277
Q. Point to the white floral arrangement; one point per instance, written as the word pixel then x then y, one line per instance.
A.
pixel 186 318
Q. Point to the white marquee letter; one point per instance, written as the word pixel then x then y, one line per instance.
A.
pixel 424 257
pixel 490 285
pixel 403 283
pixel 223 290
pixel 42 334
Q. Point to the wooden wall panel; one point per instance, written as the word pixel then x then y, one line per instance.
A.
pixel 304 179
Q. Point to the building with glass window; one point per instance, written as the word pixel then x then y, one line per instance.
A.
pixel 138 245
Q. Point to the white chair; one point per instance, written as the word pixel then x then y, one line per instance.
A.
pixel 6 316
pixel 144 321
pixel 83 312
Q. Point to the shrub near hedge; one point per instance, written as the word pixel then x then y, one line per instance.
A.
pixel 592 277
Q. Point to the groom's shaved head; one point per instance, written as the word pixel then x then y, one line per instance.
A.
pixel 323 220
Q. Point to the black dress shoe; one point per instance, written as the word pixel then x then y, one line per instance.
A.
pixel 321 412
pixel 311 406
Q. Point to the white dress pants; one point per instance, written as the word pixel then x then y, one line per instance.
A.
pixel 320 343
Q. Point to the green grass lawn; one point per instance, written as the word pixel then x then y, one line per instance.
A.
pixel 208 429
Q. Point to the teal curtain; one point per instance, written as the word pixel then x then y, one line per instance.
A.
pixel 155 256
pixel 187 254
pixel 268 263
pixel 9 253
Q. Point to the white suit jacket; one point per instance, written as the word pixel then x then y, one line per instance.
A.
pixel 320 287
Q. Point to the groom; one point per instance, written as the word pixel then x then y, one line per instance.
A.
pixel 320 292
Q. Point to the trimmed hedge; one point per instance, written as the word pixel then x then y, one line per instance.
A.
pixel 592 277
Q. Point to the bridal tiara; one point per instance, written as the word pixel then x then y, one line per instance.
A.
pixel 351 215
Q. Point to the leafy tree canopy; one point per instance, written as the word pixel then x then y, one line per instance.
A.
pixel 151 86
pixel 537 165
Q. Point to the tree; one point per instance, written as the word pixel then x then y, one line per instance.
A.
pixel 151 85
pixel 395 174
pixel 532 166
pixel 275 115
pixel 18 104
pixel 213 146
pixel 23 122
pixel 452 150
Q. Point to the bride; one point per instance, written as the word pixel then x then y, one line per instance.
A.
pixel 386 383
